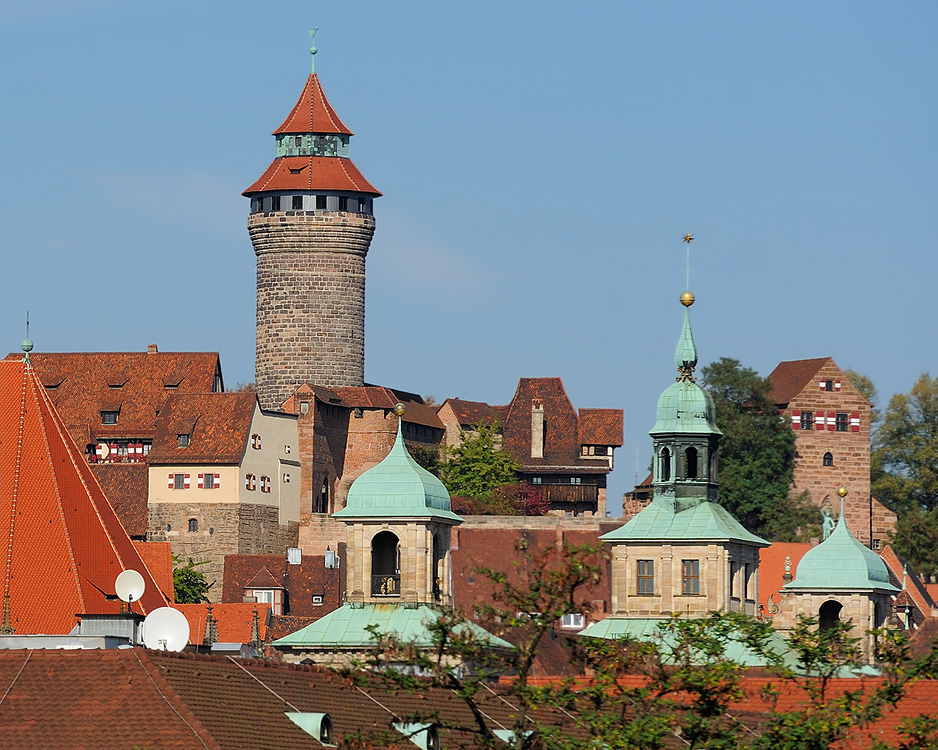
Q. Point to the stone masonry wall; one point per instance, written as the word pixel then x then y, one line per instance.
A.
pixel 310 300
pixel 223 529
pixel 850 451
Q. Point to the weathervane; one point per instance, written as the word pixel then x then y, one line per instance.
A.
pixel 27 344
pixel 687 299
pixel 313 50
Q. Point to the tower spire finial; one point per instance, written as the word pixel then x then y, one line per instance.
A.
pixel 685 357
pixel 27 344
pixel 314 49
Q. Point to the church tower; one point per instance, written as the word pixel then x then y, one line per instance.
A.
pixel 311 225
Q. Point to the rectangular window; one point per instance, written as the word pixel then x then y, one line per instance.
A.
pixel 179 481
pixel 362 206
pixel 275 203
pixel 297 202
pixel 828 385
pixel 343 203
pixel 320 203
pixel 109 417
pixel 646 577
pixel 841 423
pixel 264 596
pixel 807 420
pixel 690 576
pixel 183 439
pixel 256 441
pixel 298 140
pixel 574 620
pixel 209 482
pixel 536 480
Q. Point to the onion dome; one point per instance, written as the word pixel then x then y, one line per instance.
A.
pixel 398 487
pixel 841 562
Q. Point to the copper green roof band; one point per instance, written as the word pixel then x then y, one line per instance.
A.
pixel 703 522
pixel 350 628
pixel 398 487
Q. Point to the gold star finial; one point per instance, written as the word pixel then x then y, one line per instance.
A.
pixel 688 238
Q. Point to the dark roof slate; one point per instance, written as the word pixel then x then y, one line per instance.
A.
pixel 790 378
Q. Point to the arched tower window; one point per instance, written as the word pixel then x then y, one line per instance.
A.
pixel 193 524
pixel 321 503
pixel 664 471
pixel 828 459
pixel 385 564
pixel 690 463
pixel 829 614
pixel 438 554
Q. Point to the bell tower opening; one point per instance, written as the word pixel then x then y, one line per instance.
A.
pixel 829 614
pixel 385 564
pixel 690 463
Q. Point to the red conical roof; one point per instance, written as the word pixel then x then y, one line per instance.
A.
pixel 312 113
pixel 61 541
pixel 312 173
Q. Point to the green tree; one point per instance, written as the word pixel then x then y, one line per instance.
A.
pixel 905 449
pixel 915 539
pixel 868 390
pixel 478 466
pixel 756 454
pixel 189 584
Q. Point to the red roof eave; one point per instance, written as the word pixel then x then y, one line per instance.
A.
pixel 312 173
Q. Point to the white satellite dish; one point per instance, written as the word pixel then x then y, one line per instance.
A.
pixel 166 629
pixel 129 586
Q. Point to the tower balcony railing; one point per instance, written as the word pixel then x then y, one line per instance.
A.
pixel 386 584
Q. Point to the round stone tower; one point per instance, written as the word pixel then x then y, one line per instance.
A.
pixel 311 224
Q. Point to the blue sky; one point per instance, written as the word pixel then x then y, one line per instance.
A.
pixel 540 162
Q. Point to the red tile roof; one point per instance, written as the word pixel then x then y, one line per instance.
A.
pixel 63 544
pixel 470 413
pixel 916 589
pixel 790 378
pixel 218 425
pixel 78 383
pixel 158 557
pixel 772 568
pixel 379 397
pixel 302 582
pixel 312 173
pixel 312 113
pixel 126 487
pixel 601 427
pixel 234 622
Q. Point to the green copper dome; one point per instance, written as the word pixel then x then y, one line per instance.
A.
pixel 841 562
pixel 398 487
pixel 685 407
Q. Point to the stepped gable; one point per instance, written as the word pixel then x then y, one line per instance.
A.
pixel 83 384
pixel 790 378
pixel 312 113
pixel 63 545
pixel 601 427
pixel 218 426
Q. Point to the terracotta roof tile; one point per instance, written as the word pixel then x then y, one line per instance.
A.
pixel 263 579
pixel 898 570
pixel 126 487
pixel 601 427
pixel 772 568
pixel 77 383
pixel 218 425
pixel 67 545
pixel 379 397
pixel 471 413
pixel 790 378
pixel 158 557
pixel 312 113
pixel 234 621
pixel 312 173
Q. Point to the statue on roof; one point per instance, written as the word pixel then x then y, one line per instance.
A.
pixel 827 525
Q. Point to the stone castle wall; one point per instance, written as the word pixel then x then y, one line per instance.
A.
pixel 310 300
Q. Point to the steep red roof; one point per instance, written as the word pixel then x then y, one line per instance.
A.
pixel 470 413
pixel 126 487
pixel 233 622
pixel 312 113
pixel 772 567
pixel 790 378
pixel 601 427
pixel 379 397
pixel 158 557
pixel 218 426
pixel 61 542
pixel 312 173
pixel 83 384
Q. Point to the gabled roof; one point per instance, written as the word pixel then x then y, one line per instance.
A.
pixel 61 542
pixel 470 413
pixel 601 427
pixel 917 590
pixel 381 397
pixel 126 488
pixel 218 426
pixel 78 384
pixel 791 378
pixel 291 173
pixel 263 579
pixel 312 113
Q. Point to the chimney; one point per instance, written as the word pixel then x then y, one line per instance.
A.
pixel 151 349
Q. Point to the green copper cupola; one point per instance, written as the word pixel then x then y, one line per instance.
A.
pixel 685 434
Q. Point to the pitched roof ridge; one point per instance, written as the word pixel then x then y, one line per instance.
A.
pixel 16 482
pixel 342 161
pixel 172 699
pixel 325 105
pixel 38 395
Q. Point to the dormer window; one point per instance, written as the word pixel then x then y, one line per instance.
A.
pixel 109 417
pixel 183 439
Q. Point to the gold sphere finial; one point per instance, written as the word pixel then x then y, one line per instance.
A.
pixel 842 492
pixel 687 299
pixel 399 409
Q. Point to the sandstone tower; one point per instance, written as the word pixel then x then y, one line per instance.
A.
pixel 311 224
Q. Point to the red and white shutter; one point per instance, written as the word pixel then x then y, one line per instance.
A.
pixel 796 419
pixel 247 481
pixel 201 481
pixel 831 421
pixel 185 481
pixel 854 421
pixel 99 451
pixel 836 385
pixel 822 384
pixel 172 481
pixel 217 484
